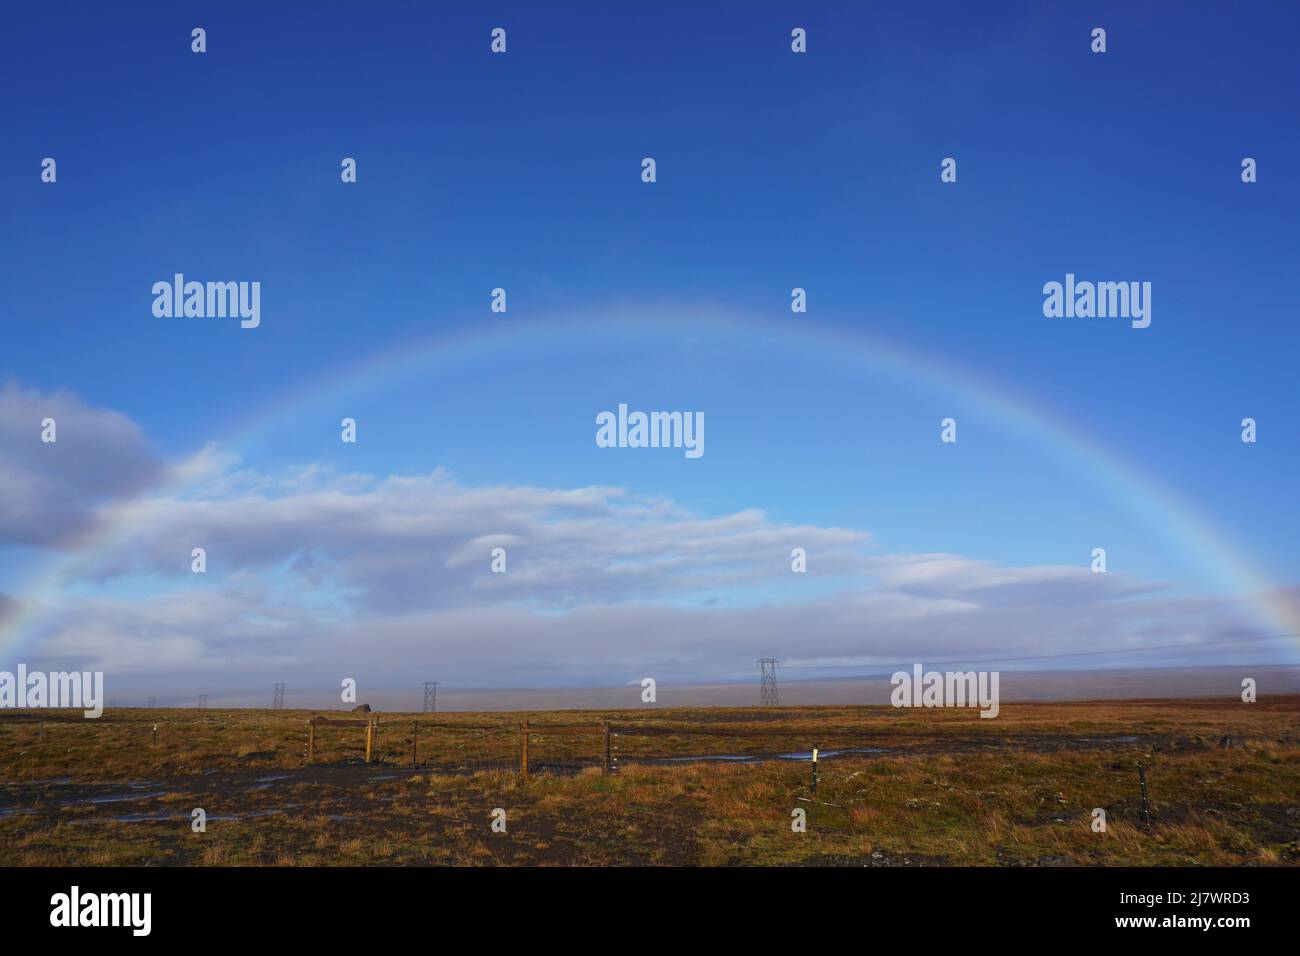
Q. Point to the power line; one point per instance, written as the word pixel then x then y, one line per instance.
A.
pixel 1046 657
pixel 767 682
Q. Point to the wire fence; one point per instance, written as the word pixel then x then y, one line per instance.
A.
pixel 199 740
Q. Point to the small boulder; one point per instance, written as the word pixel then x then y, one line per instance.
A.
pixel 361 709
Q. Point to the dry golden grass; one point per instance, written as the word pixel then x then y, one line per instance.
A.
pixel 951 788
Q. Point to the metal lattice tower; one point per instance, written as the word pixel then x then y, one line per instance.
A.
pixel 153 702
pixel 203 701
pixel 767 676
pixel 278 702
pixel 430 696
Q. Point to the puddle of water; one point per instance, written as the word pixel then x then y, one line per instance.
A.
pixel 253 814
pixel 805 755
pixel 119 797
pixel 824 754
pixel 178 817
pixel 15 811
pixel 741 758
pixel 273 777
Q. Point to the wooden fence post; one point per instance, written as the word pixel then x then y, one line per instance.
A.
pixel 370 739
pixel 311 739
pixel 415 731
pixel 607 767
pixel 523 750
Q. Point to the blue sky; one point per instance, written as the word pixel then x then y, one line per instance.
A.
pixel 775 170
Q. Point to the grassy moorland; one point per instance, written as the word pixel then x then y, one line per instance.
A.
pixel 924 787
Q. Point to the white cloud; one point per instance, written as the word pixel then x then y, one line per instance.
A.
pixel 314 574
pixel 51 491
pixel 424 541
